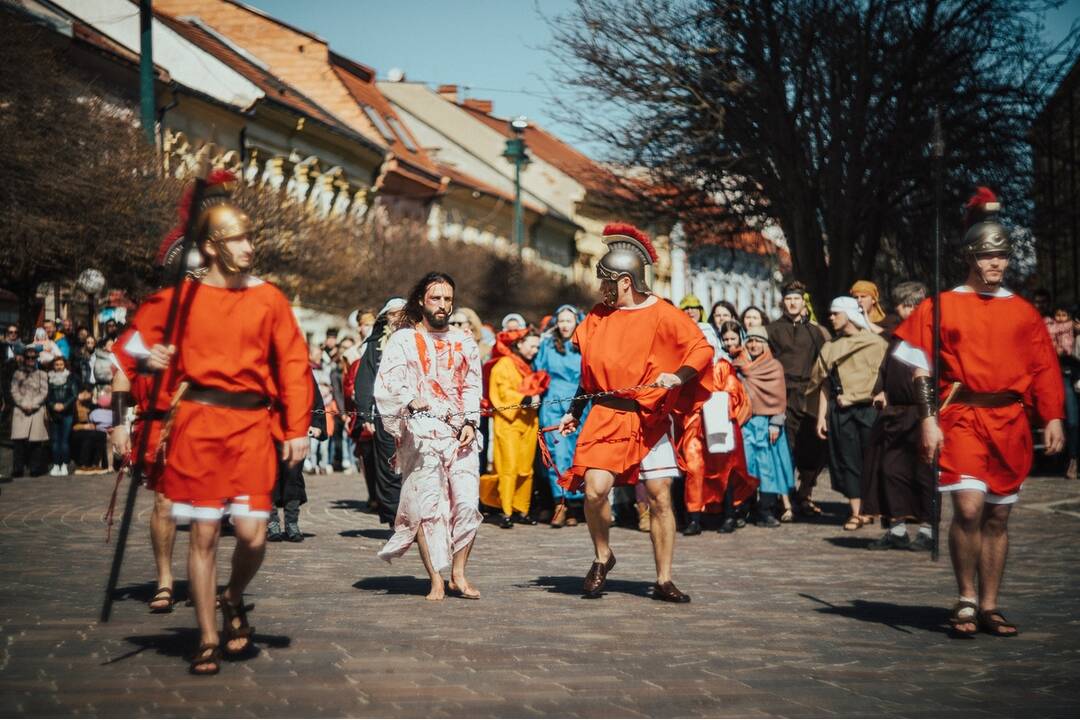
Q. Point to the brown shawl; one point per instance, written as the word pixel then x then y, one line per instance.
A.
pixel 764 381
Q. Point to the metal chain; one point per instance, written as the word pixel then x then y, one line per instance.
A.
pixel 519 406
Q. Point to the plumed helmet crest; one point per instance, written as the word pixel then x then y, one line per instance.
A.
pixel 625 233
pixel 983 205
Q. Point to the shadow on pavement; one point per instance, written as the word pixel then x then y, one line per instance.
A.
pixel 360 506
pixel 374 534
pixel 851 541
pixel 898 617
pixel 143 592
pixel 571 585
pixel 395 585
pixel 183 642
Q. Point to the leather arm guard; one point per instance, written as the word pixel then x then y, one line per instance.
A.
pixel 121 401
pixel 686 373
pixel 577 407
pixel 925 397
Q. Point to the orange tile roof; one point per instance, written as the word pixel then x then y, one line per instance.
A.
pixel 274 87
pixel 359 80
pixel 591 174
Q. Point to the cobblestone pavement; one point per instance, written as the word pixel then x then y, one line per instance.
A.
pixel 796 621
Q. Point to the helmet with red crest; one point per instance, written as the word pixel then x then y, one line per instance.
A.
pixel 984 234
pixel 630 253
pixel 217 221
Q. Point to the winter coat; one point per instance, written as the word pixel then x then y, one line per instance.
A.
pixel 62 393
pixel 29 390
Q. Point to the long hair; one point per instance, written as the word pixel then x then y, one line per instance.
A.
pixel 414 305
pixel 556 336
pixel 764 317
pixel 730 326
pixel 712 313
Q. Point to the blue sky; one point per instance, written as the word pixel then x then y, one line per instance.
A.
pixel 492 49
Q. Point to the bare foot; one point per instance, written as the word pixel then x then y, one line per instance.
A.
pixel 437 591
pixel 465 588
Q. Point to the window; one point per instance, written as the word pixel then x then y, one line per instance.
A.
pixel 380 124
pixel 402 133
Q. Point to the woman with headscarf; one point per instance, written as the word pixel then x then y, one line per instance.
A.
pixel 767 455
pixel 560 359
pixel 696 312
pixel 869 299
pixel 513 387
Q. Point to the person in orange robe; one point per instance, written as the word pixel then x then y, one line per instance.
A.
pixel 244 384
pixel 706 475
pixel 632 339
pixel 981 427
pixel 132 385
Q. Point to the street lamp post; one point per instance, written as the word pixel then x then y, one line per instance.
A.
pixel 516 153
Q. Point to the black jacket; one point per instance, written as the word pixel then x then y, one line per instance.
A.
pixel 65 395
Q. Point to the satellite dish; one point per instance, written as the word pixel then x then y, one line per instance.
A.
pixel 395 75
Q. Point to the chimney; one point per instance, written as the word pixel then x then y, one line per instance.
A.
pixel 448 92
pixel 484 106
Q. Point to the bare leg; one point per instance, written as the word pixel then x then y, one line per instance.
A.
pixel 662 527
pixel 856 506
pixel 995 549
pixel 458 581
pixel 598 484
pixel 438 591
pixel 965 542
pixel 246 560
pixel 202 575
pixel 162 539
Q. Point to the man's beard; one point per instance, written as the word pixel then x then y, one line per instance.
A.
pixel 436 322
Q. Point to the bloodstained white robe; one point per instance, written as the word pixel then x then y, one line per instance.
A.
pixel 440 480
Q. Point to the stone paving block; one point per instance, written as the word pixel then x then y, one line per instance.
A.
pixel 795 622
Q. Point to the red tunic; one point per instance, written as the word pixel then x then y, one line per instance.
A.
pixel 237 340
pixel 141 385
pixel 707 474
pixel 990 344
pixel 622 348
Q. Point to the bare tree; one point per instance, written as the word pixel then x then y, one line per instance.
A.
pixel 817 113
pixel 80 188
pixel 78 183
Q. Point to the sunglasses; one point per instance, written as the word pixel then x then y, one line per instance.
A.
pixel 459 322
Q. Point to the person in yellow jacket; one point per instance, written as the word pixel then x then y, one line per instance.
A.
pixel 513 382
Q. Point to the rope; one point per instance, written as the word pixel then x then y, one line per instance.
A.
pixel 520 406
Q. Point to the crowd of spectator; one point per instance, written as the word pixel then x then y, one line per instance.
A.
pixel 56 397
pixel 815 392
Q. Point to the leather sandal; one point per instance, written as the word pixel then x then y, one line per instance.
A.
pixel 207 660
pixel 853 523
pixel 243 632
pixel 992 621
pixel 669 593
pixel 964 612
pixel 163 595
pixel 597 577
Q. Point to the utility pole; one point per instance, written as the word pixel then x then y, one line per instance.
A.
pixel 516 153
pixel 147 104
